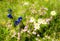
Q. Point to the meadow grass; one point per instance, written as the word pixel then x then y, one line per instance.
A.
pixel 30 30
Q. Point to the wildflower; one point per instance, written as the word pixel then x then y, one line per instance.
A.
pixel 29 31
pixel 20 18
pixel 48 20
pixel 25 28
pixel 32 19
pixel 10 16
pixel 41 21
pixel 18 21
pixel 36 26
pixel 53 13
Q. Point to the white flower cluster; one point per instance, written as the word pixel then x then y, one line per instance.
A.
pixel 39 22
pixel 42 21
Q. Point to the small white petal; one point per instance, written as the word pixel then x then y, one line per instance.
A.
pixel 32 19
pixel 28 31
pixel 42 21
pixel 34 33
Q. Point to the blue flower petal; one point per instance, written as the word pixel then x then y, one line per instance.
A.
pixel 20 18
pixel 16 23
pixel 10 16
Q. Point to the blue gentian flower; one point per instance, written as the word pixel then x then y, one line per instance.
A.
pixel 16 23
pixel 10 16
pixel 19 19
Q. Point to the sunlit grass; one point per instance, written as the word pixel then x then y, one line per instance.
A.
pixel 40 20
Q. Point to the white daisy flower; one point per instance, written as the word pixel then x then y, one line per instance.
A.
pixel 53 13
